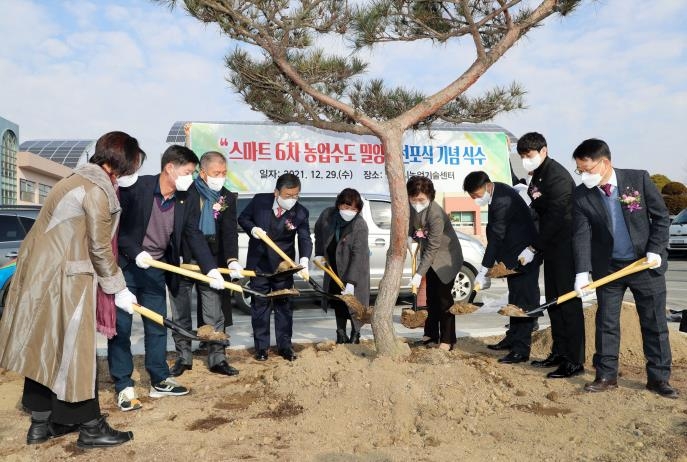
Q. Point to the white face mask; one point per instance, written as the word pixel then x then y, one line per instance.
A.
pixel 347 215
pixel 591 179
pixel 215 182
pixel 484 200
pixel 125 181
pixel 183 182
pixel 286 204
pixel 420 206
pixel 531 163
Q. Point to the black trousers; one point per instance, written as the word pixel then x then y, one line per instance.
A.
pixel 567 319
pixel 261 310
pixel 440 324
pixel 649 291
pixel 523 291
pixel 38 397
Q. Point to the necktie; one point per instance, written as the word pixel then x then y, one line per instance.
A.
pixel 607 189
pixel 281 210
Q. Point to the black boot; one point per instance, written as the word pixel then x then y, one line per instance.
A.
pixel 355 336
pixel 341 336
pixel 41 431
pixel 98 434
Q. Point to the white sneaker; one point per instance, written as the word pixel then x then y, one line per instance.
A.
pixel 168 387
pixel 127 400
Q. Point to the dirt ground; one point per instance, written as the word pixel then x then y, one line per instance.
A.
pixel 340 403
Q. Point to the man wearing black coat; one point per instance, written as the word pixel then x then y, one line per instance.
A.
pixel 550 191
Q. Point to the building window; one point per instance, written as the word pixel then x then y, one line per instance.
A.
pixel 27 190
pixel 43 190
pixel 463 218
pixel 484 217
pixel 8 168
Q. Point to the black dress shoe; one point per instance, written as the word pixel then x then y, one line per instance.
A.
pixel 179 368
pixel 662 388
pixel 514 358
pixel 502 345
pixel 599 385
pixel 288 354
pixel 341 336
pixel 41 431
pixel 261 355
pixel 565 370
pixel 552 360
pixel 98 434
pixel 224 368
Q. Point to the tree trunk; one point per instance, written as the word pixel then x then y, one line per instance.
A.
pixel 386 342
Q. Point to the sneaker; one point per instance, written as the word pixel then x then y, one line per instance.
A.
pixel 127 400
pixel 168 387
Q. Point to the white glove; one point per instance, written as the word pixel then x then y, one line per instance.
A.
pixel 348 290
pixel 319 260
pixel 581 281
pixel 304 274
pixel 140 260
pixel 235 269
pixel 216 280
pixel 255 230
pixel 410 241
pixel 416 280
pixel 124 300
pixel 526 256
pixel 481 279
pixel 653 259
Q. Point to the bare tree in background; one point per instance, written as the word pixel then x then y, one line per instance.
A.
pixel 293 80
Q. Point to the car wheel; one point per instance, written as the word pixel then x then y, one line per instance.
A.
pixel 243 301
pixel 465 282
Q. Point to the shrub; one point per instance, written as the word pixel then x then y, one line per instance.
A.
pixel 674 188
pixel 675 203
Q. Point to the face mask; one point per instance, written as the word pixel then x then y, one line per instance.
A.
pixel 420 206
pixel 183 182
pixel 591 179
pixel 286 204
pixel 484 200
pixel 125 181
pixel 531 164
pixel 348 215
pixel 215 182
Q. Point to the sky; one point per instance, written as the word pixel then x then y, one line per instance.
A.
pixel 614 69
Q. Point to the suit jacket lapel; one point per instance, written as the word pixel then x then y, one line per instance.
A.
pixel 598 203
pixel 148 197
pixel 622 185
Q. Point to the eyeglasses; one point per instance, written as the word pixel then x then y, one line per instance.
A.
pixel 580 172
pixel 290 196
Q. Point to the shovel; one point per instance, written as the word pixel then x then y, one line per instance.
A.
pixel 168 323
pixel 412 319
pixel 635 267
pixel 227 285
pixel 350 300
pixel 279 274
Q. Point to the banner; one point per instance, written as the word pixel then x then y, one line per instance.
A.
pixel 325 161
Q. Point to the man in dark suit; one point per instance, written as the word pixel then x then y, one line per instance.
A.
pixel 218 225
pixel 510 230
pixel 158 213
pixel 550 191
pixel 284 220
pixel 618 217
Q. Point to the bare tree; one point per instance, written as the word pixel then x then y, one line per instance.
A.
pixel 295 81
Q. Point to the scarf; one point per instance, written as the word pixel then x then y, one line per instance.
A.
pixel 105 309
pixel 207 217
pixel 338 224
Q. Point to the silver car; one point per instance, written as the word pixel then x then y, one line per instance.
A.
pixel 678 233
pixel 377 213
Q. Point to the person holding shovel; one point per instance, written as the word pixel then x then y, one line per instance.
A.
pixel 341 236
pixel 441 257
pixel 550 191
pixel 159 213
pixel 282 219
pixel 510 230
pixel 618 217
pixel 65 289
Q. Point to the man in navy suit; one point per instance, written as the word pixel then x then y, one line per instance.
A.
pixel 510 230
pixel 618 217
pixel 284 220
pixel 159 212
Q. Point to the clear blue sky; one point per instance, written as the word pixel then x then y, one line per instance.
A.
pixel 615 69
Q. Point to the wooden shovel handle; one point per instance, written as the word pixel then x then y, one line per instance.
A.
pixel 413 264
pixel 265 238
pixel 634 267
pixel 328 269
pixel 148 313
pixel 244 273
pixel 188 273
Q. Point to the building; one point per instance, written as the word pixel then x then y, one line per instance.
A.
pixel 9 135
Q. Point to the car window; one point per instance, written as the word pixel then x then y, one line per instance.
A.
pixel 381 213
pixel 10 229
pixel 27 223
pixel 681 218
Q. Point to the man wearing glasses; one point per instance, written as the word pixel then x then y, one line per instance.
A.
pixel 618 217
pixel 285 221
